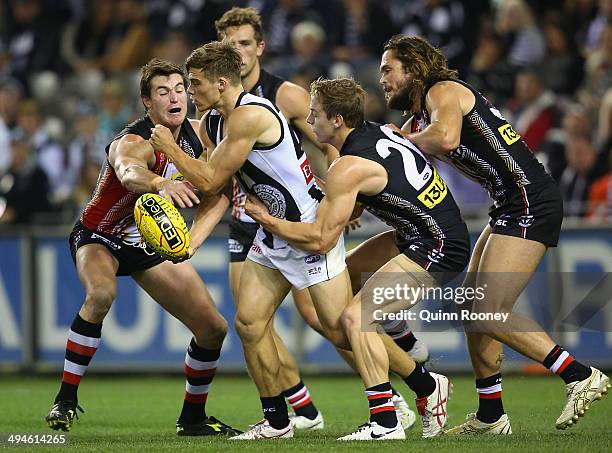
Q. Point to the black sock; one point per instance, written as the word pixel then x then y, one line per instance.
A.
pixel 301 403
pixel 380 400
pixel 560 362
pixel 200 368
pixel 490 406
pixel 420 381
pixel 275 411
pixel 406 342
pixel 83 341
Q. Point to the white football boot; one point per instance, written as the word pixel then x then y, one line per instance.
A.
pixel 263 430
pixel 405 415
pixel 580 396
pixel 474 426
pixel 433 407
pixel 301 422
pixel 373 431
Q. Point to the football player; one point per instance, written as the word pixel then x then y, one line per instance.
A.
pixel 105 244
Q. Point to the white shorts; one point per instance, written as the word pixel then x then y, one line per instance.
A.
pixel 302 269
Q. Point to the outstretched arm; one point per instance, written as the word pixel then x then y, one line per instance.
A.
pixel 345 179
pixel 211 177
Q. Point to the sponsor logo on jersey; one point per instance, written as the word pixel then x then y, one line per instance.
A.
pixel 508 134
pixel 272 198
pixel 310 259
pixel 305 167
pixel 256 249
pixel 435 192
pixel 234 246
pixel 165 225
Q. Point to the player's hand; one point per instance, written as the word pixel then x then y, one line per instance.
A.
pixel 394 127
pixel 256 209
pixel 181 193
pixel 162 140
pixel 189 254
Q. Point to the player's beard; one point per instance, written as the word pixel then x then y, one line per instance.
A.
pixel 406 97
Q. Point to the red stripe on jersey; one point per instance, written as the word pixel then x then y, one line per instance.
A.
pixel 376 410
pixel 196 399
pixel 71 378
pixel 565 363
pixel 190 372
pixel 80 349
pixel 303 403
pixel 490 396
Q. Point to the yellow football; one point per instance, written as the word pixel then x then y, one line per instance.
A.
pixel 162 226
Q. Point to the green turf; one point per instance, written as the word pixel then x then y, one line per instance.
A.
pixel 138 415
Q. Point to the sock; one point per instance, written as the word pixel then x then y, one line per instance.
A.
pixel 420 381
pixel 380 400
pixel 560 362
pixel 400 333
pixel 490 406
pixel 301 403
pixel 83 341
pixel 275 411
pixel 200 367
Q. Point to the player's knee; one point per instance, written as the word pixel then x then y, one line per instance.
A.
pixel 214 329
pixel 99 300
pixel 351 318
pixel 249 330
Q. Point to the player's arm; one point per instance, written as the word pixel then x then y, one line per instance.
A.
pixel 344 181
pixel 294 102
pixel 131 157
pixel 211 177
pixel 443 134
pixel 207 216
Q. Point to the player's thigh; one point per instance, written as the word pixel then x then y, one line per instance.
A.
pixel 398 285
pixel 330 298
pixel 305 307
pixel 235 269
pixel 261 291
pixel 179 289
pixel 369 256
pixel 505 267
pixel 96 267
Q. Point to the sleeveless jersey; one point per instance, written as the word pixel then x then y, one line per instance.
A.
pixel 490 151
pixel 279 174
pixel 111 208
pixel 266 87
pixel 415 201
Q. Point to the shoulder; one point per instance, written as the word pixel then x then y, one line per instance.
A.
pixel 349 168
pixel 249 119
pixel 291 98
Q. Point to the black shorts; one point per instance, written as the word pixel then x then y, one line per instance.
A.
pixel 241 238
pixel 444 259
pixel 132 258
pixel 534 212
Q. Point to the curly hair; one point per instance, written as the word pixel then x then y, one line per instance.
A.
pixel 236 17
pixel 216 59
pixel 341 96
pixel 420 58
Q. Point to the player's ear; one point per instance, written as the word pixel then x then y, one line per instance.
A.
pixel 146 101
pixel 261 45
pixel 222 83
pixel 338 121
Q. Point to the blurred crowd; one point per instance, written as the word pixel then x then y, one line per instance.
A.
pixel 69 72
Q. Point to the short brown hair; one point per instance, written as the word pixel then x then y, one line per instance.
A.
pixel 420 58
pixel 236 17
pixel 341 96
pixel 157 67
pixel 216 59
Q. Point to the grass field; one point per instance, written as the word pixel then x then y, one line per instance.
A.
pixel 138 415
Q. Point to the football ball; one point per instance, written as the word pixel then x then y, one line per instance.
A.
pixel 162 226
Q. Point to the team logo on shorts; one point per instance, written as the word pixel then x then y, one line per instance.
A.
pixel 234 246
pixel 108 242
pixel 272 198
pixel 312 259
pixel 435 256
pixel 525 221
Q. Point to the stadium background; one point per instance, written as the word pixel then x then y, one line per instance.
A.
pixel 69 81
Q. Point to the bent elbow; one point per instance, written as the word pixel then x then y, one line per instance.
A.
pixel 449 144
pixel 325 245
